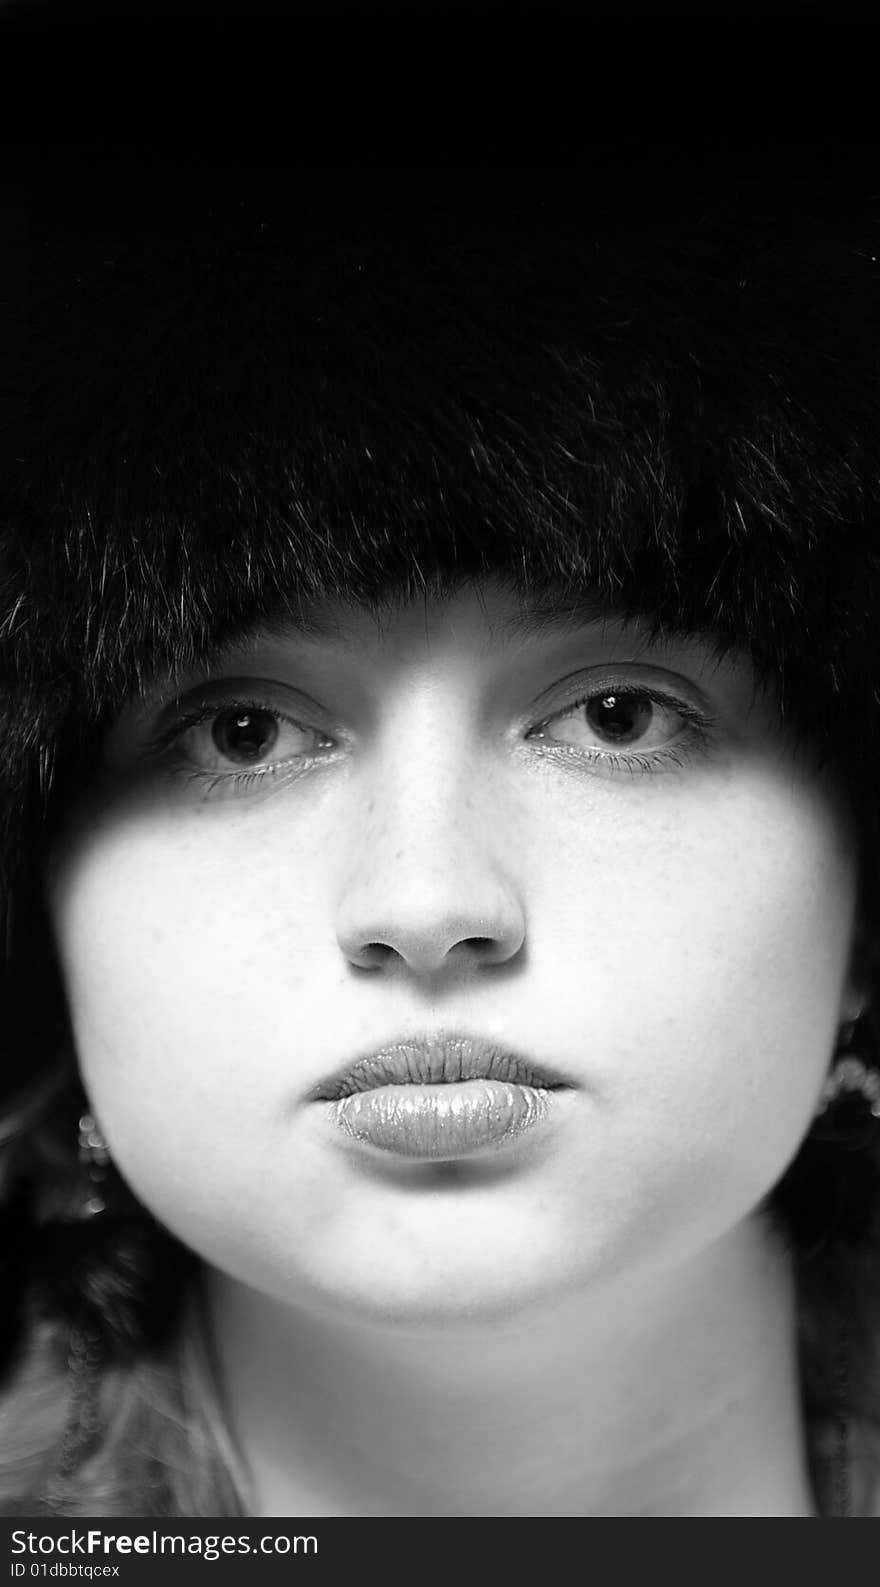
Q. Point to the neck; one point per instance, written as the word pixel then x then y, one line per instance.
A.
pixel 671 1393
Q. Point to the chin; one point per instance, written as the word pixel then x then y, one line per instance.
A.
pixel 446 1297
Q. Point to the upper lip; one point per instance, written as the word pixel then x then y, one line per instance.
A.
pixel 437 1059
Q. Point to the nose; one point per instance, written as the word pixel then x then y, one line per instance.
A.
pixel 431 880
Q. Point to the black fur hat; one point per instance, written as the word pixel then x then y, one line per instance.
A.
pixel 234 391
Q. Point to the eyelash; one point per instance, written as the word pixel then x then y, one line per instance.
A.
pixel 696 740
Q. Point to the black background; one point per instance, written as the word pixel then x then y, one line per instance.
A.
pixel 456 85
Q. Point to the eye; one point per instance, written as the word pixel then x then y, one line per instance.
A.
pixel 249 734
pixel 622 718
pixel 237 742
pixel 649 727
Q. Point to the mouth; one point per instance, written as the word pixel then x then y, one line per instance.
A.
pixel 440 1098
pixel 441 1059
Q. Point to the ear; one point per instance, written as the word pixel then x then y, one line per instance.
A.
pixel 862 985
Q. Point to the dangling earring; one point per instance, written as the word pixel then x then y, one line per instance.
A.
pixel 94 1155
pixel 850 1076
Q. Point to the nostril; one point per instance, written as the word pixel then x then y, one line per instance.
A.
pixel 426 945
pixel 375 953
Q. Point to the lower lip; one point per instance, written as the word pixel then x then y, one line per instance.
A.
pixel 432 1122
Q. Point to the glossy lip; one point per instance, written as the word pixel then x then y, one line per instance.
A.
pixel 441 1058
pixel 433 1123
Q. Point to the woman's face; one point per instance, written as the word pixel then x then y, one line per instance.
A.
pixel 646 892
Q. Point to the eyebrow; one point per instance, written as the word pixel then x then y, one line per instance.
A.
pixel 540 613
pixel 543 613
pixel 546 611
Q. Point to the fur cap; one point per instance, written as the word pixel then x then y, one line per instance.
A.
pixel 224 402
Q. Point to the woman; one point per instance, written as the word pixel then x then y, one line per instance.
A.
pixel 441 853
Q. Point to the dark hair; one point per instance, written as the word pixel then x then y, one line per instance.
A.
pixel 298 383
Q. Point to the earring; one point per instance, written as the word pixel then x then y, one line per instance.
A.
pixel 850 1076
pixel 94 1155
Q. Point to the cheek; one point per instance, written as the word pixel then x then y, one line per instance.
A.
pixel 185 978
pixel 710 985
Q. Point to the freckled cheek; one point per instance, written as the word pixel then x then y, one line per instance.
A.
pixel 710 971
pixel 174 979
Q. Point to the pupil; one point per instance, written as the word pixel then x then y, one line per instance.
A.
pixel 616 705
pixel 237 733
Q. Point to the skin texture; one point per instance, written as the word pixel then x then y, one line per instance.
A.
pixel 597 1320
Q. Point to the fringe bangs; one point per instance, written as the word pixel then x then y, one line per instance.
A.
pixel 231 415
